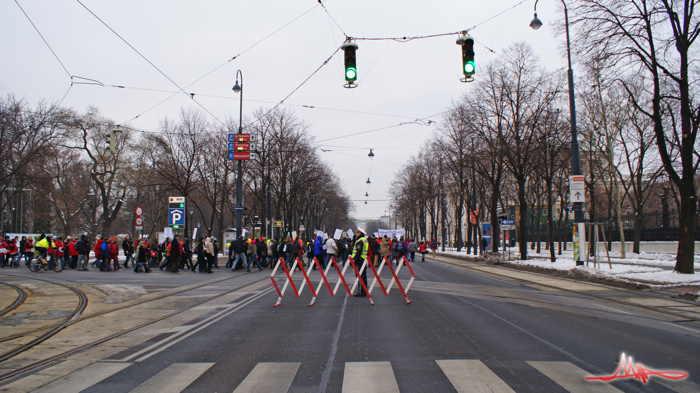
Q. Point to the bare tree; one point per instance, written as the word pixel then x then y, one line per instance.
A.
pixel 655 38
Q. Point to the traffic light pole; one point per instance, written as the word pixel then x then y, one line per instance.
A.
pixel 239 178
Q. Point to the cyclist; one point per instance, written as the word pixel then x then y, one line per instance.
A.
pixel 42 246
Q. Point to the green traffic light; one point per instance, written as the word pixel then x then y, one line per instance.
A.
pixel 469 67
pixel 350 73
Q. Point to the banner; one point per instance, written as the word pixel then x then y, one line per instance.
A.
pixel 391 233
pixel 337 234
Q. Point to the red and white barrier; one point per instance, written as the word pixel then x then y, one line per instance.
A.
pixel 341 278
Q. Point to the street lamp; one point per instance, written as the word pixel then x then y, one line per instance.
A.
pixel 575 160
pixel 191 213
pixel 239 181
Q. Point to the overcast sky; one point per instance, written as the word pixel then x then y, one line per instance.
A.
pixel 398 82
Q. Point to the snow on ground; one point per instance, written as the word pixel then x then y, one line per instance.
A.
pixel 652 268
pixel 117 293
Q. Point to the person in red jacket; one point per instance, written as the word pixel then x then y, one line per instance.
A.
pixel 3 252
pixel 60 251
pixel 72 254
pixel 423 250
pixel 113 252
pixel 13 253
pixel 98 250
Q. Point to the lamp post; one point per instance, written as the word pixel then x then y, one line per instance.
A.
pixel 190 226
pixel 575 160
pixel 239 181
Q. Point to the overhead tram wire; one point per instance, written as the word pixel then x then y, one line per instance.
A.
pixel 149 62
pixel 297 88
pixel 226 62
pixel 52 51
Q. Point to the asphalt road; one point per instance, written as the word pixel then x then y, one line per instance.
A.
pixel 463 331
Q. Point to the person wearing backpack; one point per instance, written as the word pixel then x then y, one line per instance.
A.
pixel 412 249
pixel 433 247
pixel 143 253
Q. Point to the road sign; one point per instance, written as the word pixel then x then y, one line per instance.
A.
pixel 302 228
pixel 241 138
pixel 239 208
pixel 577 189
pixel 231 137
pixel 138 221
pixel 278 224
pixel 176 216
pixel 230 155
pixel 139 211
pixel 241 155
pixel 241 146
pixel 138 228
pixel 231 146
pixel 507 225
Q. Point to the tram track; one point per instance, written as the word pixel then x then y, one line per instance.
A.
pixel 68 322
pixel 22 296
pixel 53 329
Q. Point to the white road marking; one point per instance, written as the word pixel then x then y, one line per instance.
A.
pixel 369 377
pixel 572 378
pixel 173 379
pixel 83 378
pixel 471 375
pixel 269 378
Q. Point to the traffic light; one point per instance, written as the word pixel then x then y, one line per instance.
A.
pixel 108 141
pixel 350 63
pixel 468 65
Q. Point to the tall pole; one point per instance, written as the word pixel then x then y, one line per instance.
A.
pixel 269 207
pixel 575 157
pixel 444 214
pixel 239 180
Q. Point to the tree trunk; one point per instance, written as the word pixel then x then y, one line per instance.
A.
pixel 522 236
pixel 686 240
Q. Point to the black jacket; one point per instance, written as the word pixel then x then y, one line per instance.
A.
pixel 82 247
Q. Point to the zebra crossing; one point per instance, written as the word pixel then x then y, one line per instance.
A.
pixel 465 375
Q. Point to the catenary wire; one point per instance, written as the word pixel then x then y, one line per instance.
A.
pixel 44 39
pixel 411 38
pixel 225 63
pixel 149 62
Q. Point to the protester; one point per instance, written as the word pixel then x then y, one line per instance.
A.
pixel 82 247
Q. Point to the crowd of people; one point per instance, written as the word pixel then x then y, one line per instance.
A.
pixel 174 254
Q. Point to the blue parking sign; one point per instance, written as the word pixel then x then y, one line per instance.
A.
pixel 176 216
pixel 230 155
pixel 231 137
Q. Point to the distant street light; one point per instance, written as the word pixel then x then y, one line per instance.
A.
pixel 371 153
pixel 368 182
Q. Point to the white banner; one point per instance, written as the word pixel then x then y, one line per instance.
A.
pixel 168 231
pixel 350 232
pixel 194 234
pixel 391 233
pixel 338 233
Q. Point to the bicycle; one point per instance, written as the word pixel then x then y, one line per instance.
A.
pixel 40 262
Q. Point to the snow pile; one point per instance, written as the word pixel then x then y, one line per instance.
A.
pixel 650 269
